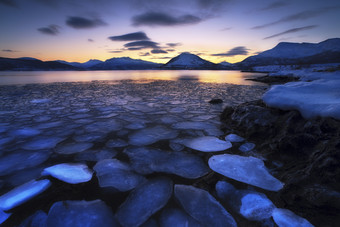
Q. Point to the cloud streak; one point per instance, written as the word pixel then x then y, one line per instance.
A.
pixel 84 23
pixel 293 30
pixel 158 51
pixel 9 51
pixel 307 14
pixel 138 45
pixel 274 5
pixel 130 37
pixel 164 19
pixel 50 30
pixel 240 50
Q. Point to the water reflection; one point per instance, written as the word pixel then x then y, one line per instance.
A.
pixel 206 76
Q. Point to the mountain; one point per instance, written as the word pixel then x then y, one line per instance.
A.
pixel 125 63
pixel 225 65
pixel 84 65
pixel 32 64
pixel 286 53
pixel 189 61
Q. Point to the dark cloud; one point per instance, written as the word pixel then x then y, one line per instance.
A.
pixel 130 37
pixel 240 50
pixel 10 3
pixel 164 19
pixel 158 51
pixel 144 54
pixel 115 51
pixel 174 44
pixel 9 50
pixel 84 23
pixel 50 30
pixel 170 50
pixel 274 5
pixel 90 40
pixel 212 5
pixel 299 16
pixel 138 45
pixel 293 30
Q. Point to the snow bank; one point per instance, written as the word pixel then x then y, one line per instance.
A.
pixel 321 97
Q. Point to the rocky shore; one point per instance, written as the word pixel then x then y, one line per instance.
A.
pixel 302 153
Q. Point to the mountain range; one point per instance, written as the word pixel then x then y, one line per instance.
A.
pixel 284 53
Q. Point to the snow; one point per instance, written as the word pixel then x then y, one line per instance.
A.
pixel 23 193
pixel 172 217
pixel 234 138
pixel 203 207
pixel 144 201
pixel 320 97
pixel 149 160
pixel 117 174
pixel 4 216
pixel 246 147
pixel 72 173
pixel 207 144
pixel 286 218
pixel 300 50
pixel 187 60
pixel 149 136
pixel 81 213
pixel 248 170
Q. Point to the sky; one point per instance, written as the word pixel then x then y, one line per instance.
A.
pixel 157 30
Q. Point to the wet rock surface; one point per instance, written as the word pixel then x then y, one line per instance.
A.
pixel 304 154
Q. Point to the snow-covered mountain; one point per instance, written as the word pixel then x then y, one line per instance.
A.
pixel 225 65
pixel 125 63
pixel 286 53
pixel 189 61
pixel 84 65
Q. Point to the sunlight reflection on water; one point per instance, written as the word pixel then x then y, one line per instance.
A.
pixel 207 76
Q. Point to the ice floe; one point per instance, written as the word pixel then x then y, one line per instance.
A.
pixel 148 160
pixel 207 144
pixel 41 143
pixel 246 147
pixel 202 206
pixel 38 219
pixel 4 216
pixel 286 218
pixel 250 204
pixel 172 217
pixel 193 125
pixel 144 201
pixel 117 174
pixel 234 138
pixel 23 193
pixel 72 173
pixel 81 213
pixel 249 170
pixel 149 136
pixel 72 148
pixel 21 160
pixel 116 143
pixel 25 132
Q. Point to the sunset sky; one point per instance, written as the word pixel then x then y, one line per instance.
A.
pixel 157 30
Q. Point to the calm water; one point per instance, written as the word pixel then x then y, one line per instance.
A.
pixel 233 77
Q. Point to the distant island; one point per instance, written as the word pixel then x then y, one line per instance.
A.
pixel 284 54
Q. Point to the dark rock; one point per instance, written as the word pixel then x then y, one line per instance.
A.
pixel 274 79
pixel 309 151
pixel 216 101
